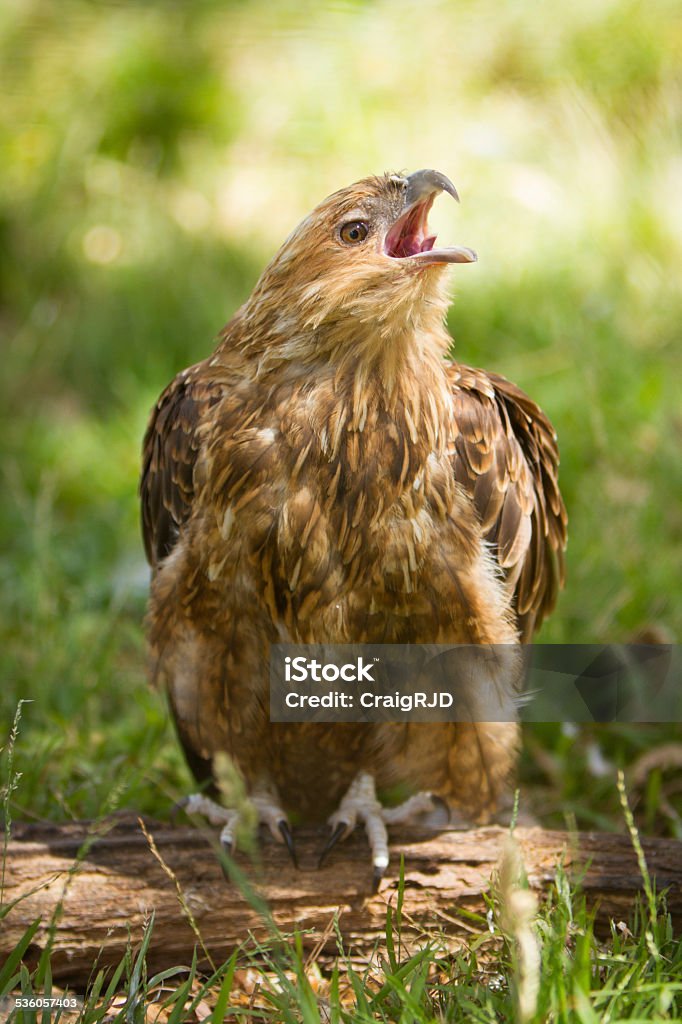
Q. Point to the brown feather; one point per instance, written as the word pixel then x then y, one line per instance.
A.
pixel 516 495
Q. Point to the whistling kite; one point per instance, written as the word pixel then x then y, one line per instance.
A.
pixel 329 475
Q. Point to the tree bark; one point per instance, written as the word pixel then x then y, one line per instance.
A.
pixel 95 887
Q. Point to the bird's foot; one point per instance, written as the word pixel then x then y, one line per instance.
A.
pixel 361 804
pixel 267 811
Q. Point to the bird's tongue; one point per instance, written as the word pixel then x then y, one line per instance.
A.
pixel 408 245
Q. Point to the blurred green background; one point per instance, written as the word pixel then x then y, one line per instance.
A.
pixel 154 155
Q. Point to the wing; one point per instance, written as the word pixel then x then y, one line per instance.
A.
pixel 169 455
pixel 505 455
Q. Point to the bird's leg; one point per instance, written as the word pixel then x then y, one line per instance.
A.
pixel 361 803
pixel 267 809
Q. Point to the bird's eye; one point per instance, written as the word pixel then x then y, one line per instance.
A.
pixel 353 232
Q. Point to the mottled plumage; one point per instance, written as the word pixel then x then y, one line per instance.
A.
pixel 328 476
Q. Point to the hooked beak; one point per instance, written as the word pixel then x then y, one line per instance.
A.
pixel 409 238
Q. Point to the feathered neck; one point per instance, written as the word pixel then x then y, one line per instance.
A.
pixel 388 340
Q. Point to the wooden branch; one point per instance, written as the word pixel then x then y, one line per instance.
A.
pixel 108 891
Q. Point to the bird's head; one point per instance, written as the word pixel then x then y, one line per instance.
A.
pixel 359 268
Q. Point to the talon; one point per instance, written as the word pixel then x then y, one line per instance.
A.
pixel 285 832
pixel 227 847
pixel 377 874
pixel 333 839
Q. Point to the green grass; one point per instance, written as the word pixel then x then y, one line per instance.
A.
pixel 153 159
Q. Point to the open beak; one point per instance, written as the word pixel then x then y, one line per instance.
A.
pixel 409 238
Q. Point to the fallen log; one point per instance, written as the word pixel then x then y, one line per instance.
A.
pixel 95 887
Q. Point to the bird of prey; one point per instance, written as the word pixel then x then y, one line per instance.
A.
pixel 329 475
